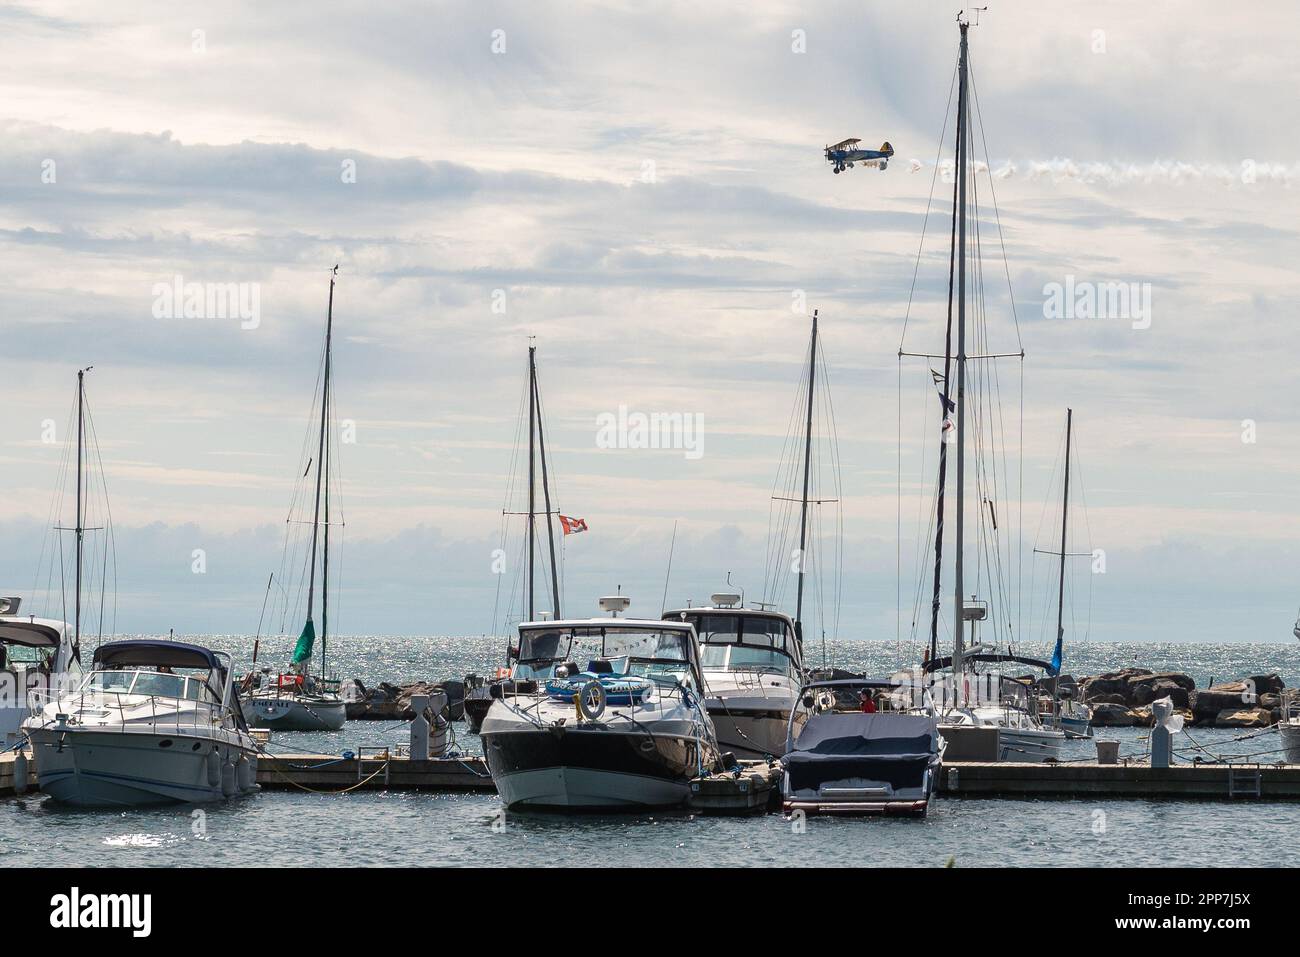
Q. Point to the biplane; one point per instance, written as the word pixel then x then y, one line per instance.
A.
pixel 845 154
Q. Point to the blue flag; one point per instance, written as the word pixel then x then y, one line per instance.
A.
pixel 1056 655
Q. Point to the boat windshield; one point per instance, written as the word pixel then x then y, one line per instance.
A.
pixel 649 652
pixel 154 684
pixel 744 642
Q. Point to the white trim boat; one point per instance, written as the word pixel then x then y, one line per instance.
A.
pixel 36 656
pixel 861 746
pixel 602 714
pixel 153 722
pixel 753 668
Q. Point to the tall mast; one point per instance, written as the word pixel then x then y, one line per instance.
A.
pixel 532 468
pixel 807 463
pixel 1065 511
pixel 81 529
pixel 959 603
pixel 320 451
pixel 326 408
pixel 546 497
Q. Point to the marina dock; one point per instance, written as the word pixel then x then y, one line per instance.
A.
pixel 756 788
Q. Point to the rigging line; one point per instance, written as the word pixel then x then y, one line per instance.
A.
pixel 833 444
pixel 110 541
pixel 997 217
pixel 786 479
pixel 925 222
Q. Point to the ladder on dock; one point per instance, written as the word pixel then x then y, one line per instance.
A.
pixel 1244 780
pixel 380 756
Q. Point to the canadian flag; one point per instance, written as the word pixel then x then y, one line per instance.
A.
pixel 572 526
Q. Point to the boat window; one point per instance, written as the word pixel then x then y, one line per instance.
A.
pixel 717 628
pixel 159 686
pixel 194 689
pixel 24 655
pixel 770 632
pixel 539 646
pixel 112 681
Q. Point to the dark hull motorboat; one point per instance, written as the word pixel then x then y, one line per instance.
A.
pixel 851 762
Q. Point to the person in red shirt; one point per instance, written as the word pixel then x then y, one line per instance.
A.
pixel 868 701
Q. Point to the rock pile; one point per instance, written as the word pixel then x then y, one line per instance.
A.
pixel 1123 698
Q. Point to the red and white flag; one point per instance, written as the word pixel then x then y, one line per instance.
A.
pixel 572 526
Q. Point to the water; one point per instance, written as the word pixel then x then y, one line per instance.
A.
pixel 374 829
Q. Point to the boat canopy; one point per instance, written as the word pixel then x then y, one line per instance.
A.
pixel 842 733
pixel 946 662
pixel 852 683
pixel 155 652
pixel 32 632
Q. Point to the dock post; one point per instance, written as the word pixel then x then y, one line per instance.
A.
pixel 1162 741
pixel 419 728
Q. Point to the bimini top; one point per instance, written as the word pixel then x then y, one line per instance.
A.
pixel 939 663
pixel 852 683
pixel 32 632
pixel 155 652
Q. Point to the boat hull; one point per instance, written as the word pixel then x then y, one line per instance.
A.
pixel 1029 745
pixel 288 713
pixel 598 769
pixel 749 732
pixel 87 768
pixel 1290 733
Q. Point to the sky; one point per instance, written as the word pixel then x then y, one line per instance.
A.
pixel 641 188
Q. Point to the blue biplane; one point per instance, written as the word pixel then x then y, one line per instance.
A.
pixel 845 154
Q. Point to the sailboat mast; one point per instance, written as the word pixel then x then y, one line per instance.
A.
pixel 807 464
pixel 81 529
pixel 532 468
pixel 325 553
pixel 1065 512
pixel 959 602
pixel 546 500
pixel 320 451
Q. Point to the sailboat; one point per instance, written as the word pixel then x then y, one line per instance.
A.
pixel 1064 710
pixel 967 697
pixel 296 699
pixel 480 694
pixel 753 657
pixel 152 722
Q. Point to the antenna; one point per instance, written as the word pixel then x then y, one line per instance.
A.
pixel 668 574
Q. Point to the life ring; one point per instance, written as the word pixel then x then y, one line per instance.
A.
pixel 591 700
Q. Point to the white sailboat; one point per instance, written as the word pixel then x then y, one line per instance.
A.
pixel 296 699
pixel 969 697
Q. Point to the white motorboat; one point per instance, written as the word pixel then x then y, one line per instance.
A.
pixel 36 656
pixel 603 714
pixel 878 752
pixel 753 668
pixel 153 722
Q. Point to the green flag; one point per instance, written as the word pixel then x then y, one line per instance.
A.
pixel 302 650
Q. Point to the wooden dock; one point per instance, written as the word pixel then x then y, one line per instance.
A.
pixel 757 787
pixel 1092 780
pixel 372 770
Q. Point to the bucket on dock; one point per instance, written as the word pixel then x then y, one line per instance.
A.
pixel 1108 752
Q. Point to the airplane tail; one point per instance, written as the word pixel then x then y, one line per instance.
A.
pixel 886 148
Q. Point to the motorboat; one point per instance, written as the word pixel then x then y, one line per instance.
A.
pixel 36 655
pixel 154 721
pixel 753 669
pixel 601 714
pixel 861 746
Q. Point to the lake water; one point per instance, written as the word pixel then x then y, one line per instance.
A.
pixel 401 828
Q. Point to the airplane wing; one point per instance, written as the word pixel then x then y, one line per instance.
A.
pixel 845 144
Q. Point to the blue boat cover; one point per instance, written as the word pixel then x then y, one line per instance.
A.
pixel 847 734
pixel 152 652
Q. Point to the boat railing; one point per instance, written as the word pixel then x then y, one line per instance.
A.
pixel 1291 706
pixel 121 712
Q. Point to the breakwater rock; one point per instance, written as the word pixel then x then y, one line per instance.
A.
pixel 1121 699
pixel 389 702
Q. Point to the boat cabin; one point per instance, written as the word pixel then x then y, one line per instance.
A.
pixel 734 638
pixel 36 655
pixel 656 650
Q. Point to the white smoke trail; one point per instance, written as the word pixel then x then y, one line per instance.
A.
pixel 1169 172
